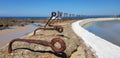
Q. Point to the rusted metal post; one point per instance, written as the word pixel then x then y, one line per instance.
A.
pixel 57 28
pixel 41 42
pixel 57 17
pixel 59 14
pixel 53 14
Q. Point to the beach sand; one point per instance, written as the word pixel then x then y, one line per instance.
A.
pixel 7 35
pixel 75 47
pixel 18 29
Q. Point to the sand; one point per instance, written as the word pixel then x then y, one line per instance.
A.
pixel 9 34
pixel 18 29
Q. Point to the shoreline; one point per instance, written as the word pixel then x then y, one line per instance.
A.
pixel 9 34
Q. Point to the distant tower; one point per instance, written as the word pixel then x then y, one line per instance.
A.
pixel 70 15
pixel 73 15
pixel 59 15
pixel 65 14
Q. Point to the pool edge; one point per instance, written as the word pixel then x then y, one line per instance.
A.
pixel 101 47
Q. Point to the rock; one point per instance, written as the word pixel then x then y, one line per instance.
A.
pixel 30 50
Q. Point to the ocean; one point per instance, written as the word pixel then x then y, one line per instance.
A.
pixel 73 17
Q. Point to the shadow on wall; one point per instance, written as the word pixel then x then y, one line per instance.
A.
pixel 62 55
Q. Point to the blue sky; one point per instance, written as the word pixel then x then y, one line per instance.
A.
pixel 44 7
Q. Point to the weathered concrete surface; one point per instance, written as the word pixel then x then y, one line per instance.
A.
pixel 100 47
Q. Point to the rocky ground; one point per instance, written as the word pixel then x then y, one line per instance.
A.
pixel 75 47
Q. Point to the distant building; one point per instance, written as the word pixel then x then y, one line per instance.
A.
pixel 118 15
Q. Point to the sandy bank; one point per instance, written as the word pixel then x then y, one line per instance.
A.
pixel 18 29
pixel 9 34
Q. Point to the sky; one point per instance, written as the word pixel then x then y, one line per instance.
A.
pixel 45 7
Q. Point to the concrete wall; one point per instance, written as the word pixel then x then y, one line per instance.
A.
pixel 101 47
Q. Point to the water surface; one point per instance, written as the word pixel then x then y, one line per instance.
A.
pixel 108 30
